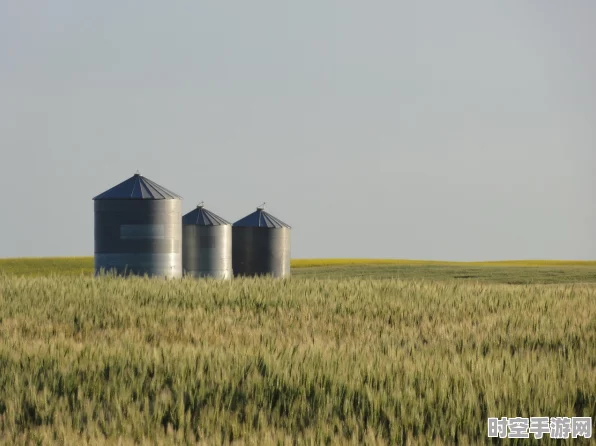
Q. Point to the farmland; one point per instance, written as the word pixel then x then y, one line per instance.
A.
pixel 341 353
pixel 508 272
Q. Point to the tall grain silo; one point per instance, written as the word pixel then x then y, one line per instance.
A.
pixel 206 245
pixel 261 245
pixel 138 229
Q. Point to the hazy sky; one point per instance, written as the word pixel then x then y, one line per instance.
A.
pixel 459 130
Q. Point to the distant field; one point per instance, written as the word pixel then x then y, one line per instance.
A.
pixel 45 266
pixel 511 272
pixel 309 361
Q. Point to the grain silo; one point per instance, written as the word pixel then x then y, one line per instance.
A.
pixel 138 229
pixel 206 245
pixel 261 245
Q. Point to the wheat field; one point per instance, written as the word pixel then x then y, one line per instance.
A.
pixel 297 361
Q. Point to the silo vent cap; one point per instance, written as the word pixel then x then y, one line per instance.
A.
pixel 261 207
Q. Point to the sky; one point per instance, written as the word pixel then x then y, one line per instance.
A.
pixel 458 130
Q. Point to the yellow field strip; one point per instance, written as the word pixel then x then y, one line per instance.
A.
pixel 304 263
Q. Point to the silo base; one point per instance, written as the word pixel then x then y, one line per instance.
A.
pixel 219 275
pixel 160 265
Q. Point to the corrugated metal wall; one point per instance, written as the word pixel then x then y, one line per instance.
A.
pixel 139 237
pixel 207 251
pixel 261 251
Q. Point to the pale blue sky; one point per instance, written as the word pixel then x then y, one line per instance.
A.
pixel 460 130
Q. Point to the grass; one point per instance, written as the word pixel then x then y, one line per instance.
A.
pixel 484 273
pixel 298 361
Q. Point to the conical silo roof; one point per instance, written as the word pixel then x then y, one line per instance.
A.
pixel 260 219
pixel 138 187
pixel 203 217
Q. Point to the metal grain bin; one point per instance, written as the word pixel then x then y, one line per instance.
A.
pixel 138 229
pixel 206 245
pixel 261 245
